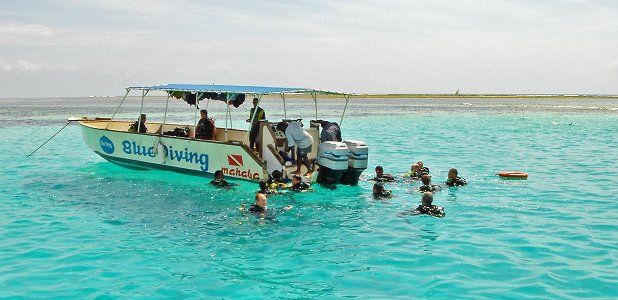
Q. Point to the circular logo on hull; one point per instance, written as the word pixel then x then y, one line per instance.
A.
pixel 106 145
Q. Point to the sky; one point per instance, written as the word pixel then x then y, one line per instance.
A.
pixel 66 48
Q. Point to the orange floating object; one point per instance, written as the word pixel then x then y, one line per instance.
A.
pixel 513 174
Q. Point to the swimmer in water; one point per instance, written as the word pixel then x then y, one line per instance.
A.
pixel 453 179
pixel 266 189
pixel 427 208
pixel 422 167
pixel 415 172
pixel 381 177
pixel 380 192
pixel 427 186
pixel 277 180
pixel 220 181
pixel 298 185
pixel 260 207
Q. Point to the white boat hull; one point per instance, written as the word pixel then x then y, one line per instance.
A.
pixel 185 155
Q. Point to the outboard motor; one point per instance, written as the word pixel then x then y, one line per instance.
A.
pixel 357 161
pixel 333 162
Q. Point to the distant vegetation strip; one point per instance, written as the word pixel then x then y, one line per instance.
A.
pixel 478 96
pixel 462 96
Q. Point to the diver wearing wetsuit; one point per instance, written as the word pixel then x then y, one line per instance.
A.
pixel 260 210
pixel 267 189
pixel 427 186
pixel 432 210
pixel 219 181
pixel 453 179
pixel 381 177
pixel 379 191
pixel 298 185
pixel 416 172
pixel 205 128
pixel 426 208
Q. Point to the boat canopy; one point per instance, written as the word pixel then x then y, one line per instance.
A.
pixel 233 95
pixel 230 89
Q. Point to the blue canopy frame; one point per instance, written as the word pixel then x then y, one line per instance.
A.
pixel 235 89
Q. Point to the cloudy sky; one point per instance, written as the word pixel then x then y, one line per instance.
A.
pixel 98 47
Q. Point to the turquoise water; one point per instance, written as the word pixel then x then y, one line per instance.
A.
pixel 75 226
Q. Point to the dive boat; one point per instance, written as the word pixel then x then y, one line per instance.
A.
pixel 162 148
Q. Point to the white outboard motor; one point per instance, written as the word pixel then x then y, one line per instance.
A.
pixel 333 162
pixel 357 161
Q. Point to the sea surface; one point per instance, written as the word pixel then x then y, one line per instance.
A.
pixel 75 226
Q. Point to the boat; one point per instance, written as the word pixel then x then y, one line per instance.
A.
pixel 161 148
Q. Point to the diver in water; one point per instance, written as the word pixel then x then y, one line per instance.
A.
pixel 427 186
pixel 423 168
pixel 260 208
pixel 416 172
pixel 277 180
pixel 380 192
pixel 381 177
pixel 453 179
pixel 427 208
pixel 298 185
pixel 220 181
pixel 267 189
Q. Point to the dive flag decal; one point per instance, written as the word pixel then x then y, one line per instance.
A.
pixel 234 160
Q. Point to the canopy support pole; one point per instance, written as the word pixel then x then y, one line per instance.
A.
pixel 259 97
pixel 141 109
pixel 285 114
pixel 117 108
pixel 197 96
pixel 315 101
pixel 167 102
pixel 347 98
pixel 227 113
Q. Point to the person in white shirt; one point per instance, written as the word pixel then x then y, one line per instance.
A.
pixel 296 135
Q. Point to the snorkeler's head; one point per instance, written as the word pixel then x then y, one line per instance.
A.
pixel 426 179
pixel 379 170
pixel 276 174
pixel 378 188
pixel 260 200
pixel 427 198
pixel 263 185
pixel 420 164
pixel 452 173
pixel 282 126
pixel 296 179
pixel 416 168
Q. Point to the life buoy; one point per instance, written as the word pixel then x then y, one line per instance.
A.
pixel 513 174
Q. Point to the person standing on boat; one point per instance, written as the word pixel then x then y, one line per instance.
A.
pixel 139 125
pixel 205 128
pixel 330 131
pixel 260 115
pixel 296 135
